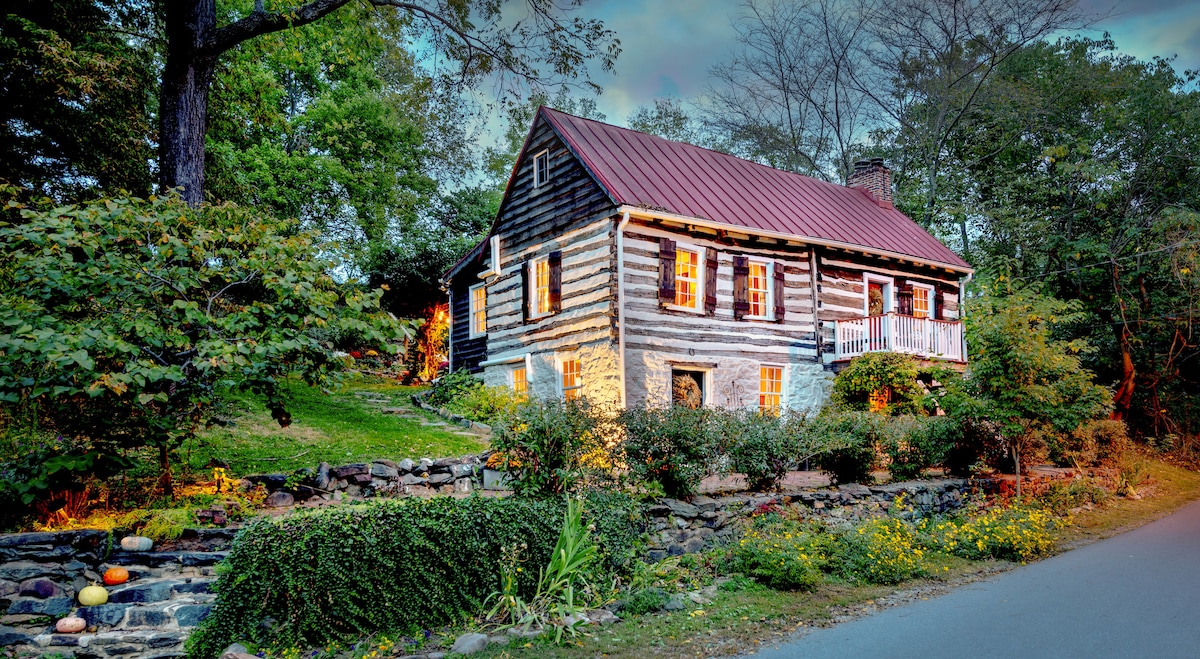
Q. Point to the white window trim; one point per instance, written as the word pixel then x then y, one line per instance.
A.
pixel 706 401
pixel 889 292
pixel 770 315
pixel 559 359
pixel 531 280
pixel 522 363
pixel 783 384
pixel 538 181
pixel 494 267
pixel 471 333
pixel 702 263
pixel 932 299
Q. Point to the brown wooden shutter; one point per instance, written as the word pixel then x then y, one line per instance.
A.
pixel 904 300
pixel 741 286
pixel 938 300
pixel 554 261
pixel 777 293
pixel 526 298
pixel 666 270
pixel 710 283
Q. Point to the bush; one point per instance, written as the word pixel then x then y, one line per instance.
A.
pixel 762 446
pixel 855 436
pixel 889 372
pixel 387 566
pixel 550 447
pixel 883 551
pixel 784 554
pixel 453 386
pixel 914 444
pixel 1005 533
pixel 1096 442
pixel 486 404
pixel 676 447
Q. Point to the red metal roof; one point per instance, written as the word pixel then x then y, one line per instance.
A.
pixel 648 171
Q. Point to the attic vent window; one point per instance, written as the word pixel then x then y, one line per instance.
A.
pixel 541 169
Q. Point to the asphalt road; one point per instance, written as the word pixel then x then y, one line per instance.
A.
pixel 1134 595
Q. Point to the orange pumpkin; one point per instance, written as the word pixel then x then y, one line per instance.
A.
pixel 116 575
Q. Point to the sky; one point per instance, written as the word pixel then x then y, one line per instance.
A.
pixel 668 46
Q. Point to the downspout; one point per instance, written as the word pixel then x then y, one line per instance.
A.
pixel 621 304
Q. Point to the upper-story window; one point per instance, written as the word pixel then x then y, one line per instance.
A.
pixel 541 169
pixel 922 301
pixel 687 278
pixel 543 278
pixel 758 293
pixel 477 303
pixel 540 291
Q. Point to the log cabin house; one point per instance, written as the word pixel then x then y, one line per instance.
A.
pixel 620 261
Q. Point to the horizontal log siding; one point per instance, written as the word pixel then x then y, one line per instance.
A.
pixel 466 352
pixel 651 327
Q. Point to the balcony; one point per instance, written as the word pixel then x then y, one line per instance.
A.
pixel 921 337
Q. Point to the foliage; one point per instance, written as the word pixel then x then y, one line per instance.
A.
pixel 553 604
pixel 1060 497
pixel 882 551
pixel 486 404
pixel 1095 442
pixel 120 317
pixel 676 446
pixel 856 436
pixel 1010 533
pixel 914 444
pixel 1024 379
pixel 551 446
pixel 890 372
pixel 784 554
pixel 452 386
pixel 762 446
pixel 390 565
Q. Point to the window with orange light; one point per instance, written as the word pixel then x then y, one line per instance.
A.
pixel 770 389
pixel 572 380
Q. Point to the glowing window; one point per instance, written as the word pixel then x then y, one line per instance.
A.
pixel 572 383
pixel 922 306
pixel 687 278
pixel 478 310
pixel 759 291
pixel 520 383
pixel 770 389
pixel 541 287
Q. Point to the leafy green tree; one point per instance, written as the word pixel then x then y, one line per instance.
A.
pixel 668 119
pixel 119 318
pixel 1022 377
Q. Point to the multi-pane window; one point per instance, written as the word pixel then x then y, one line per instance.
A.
pixel 759 290
pixel 541 169
pixel 770 389
pixel 541 287
pixel 478 310
pixel 687 278
pixel 520 382
pixel 922 306
pixel 572 383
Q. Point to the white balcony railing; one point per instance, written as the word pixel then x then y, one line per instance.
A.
pixel 891 332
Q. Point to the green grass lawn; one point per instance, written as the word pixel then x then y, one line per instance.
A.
pixel 338 428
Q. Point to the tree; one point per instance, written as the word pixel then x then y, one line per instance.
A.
pixel 668 119
pixel 119 318
pixel 475 34
pixel 498 161
pixel 1025 378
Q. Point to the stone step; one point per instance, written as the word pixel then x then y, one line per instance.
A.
pixel 146 644
pixel 168 558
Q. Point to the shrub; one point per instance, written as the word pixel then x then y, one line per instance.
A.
pixel 1006 533
pixel 550 447
pixel 453 386
pixel 676 447
pixel 1096 442
pixel 762 446
pixel 784 554
pixel 854 437
pixel 890 372
pixel 486 404
pixel 883 551
pixel 914 444
pixel 385 566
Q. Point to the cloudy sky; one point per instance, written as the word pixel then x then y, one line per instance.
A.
pixel 669 45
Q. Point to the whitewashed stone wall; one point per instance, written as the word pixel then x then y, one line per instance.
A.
pixel 732 382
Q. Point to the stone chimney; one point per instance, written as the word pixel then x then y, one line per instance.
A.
pixel 873 178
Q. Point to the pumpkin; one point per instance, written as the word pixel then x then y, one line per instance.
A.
pixel 70 625
pixel 116 576
pixel 93 596
pixel 136 543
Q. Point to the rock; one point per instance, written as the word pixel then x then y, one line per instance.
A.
pixel 602 617
pixel 675 603
pixel 354 491
pixel 136 543
pixel 460 470
pixel 238 655
pixel 705 504
pixel 192 614
pixel 322 479
pixel 52 606
pixel 146 617
pixel 502 641
pixel 279 499
pixel 525 632
pixel 8 588
pixel 443 463
pixel 105 614
pixel 406 465
pixel 658 510
pixel 680 523
pixel 11 636
pixel 656 555
pixel 693 544
pixel 269 481
pixel 681 508
pixel 155 591
pixel 39 588
pixel 387 472
pixel 410 479
pixel 463 485
pixel 470 643
pixel 698 598
pixel 346 471
pixel 385 462
pixel 440 479
pixel 856 490
pixel 495 480
pixel 236 648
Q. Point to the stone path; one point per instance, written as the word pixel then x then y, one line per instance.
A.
pixel 1134 595
pixel 404 407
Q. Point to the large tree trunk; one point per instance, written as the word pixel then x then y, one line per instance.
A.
pixel 1123 398
pixel 183 99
